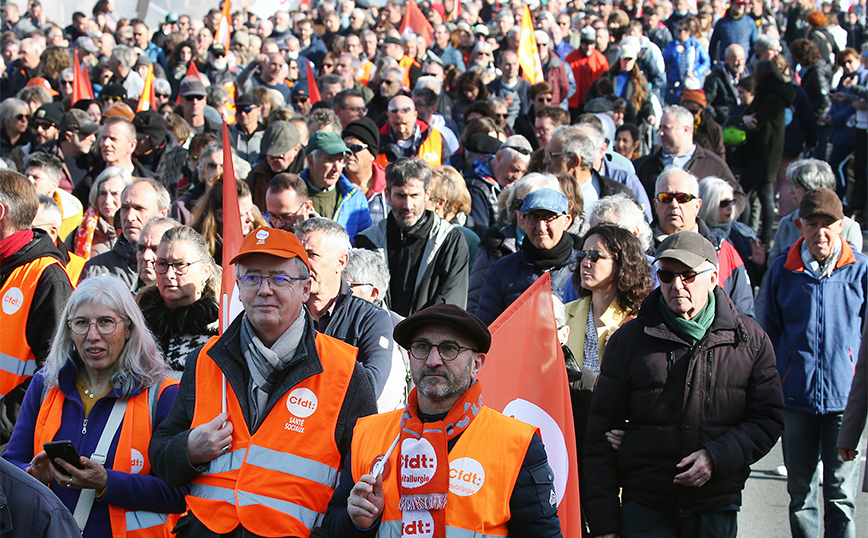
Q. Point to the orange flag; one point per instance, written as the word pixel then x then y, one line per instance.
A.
pixel 525 377
pixel 415 21
pixel 223 28
pixel 312 88
pixel 81 86
pixel 232 235
pixel 147 99
pixel 528 53
pixel 229 112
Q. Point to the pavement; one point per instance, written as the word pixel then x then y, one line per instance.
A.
pixel 765 500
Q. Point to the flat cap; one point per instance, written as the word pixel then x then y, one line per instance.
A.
pixel 689 248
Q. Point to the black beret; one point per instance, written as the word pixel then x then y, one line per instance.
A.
pixel 150 124
pixel 447 314
pixel 482 143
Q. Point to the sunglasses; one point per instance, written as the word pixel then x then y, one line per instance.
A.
pixel 726 203
pixel 299 99
pixel 249 108
pixel 191 98
pixel 523 151
pixel 667 277
pixel 330 66
pixel 42 124
pixel 680 197
pixel 400 109
pixel 21 117
pixel 111 98
pixel 355 148
pixel 593 255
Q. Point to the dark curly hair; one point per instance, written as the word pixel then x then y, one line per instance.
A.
pixel 805 51
pixel 632 271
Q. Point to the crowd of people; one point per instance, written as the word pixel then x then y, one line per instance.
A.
pixel 690 175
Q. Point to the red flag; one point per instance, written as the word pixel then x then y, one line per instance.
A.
pixel 223 28
pixel 415 21
pixel 81 86
pixel 232 235
pixel 312 88
pixel 147 99
pixel 525 377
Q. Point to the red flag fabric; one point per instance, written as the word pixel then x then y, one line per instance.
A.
pixel 223 28
pixel 81 86
pixel 312 88
pixel 525 377
pixel 147 99
pixel 232 235
pixel 415 21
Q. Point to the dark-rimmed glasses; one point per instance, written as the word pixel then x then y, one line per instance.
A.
pixel 180 268
pixel 667 277
pixel 448 351
pixel 593 255
pixel 105 324
pixel 274 281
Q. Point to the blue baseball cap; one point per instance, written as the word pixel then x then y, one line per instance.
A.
pixel 547 200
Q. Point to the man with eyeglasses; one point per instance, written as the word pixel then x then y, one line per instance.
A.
pixel 463 464
pixel 146 249
pixel 288 202
pixel 44 123
pixel 676 206
pixel 76 135
pixel 349 105
pixel 547 248
pixel 363 140
pixel 247 132
pixel 35 287
pixel 158 150
pixel 332 194
pixel 689 397
pixel 540 97
pixel 554 70
pixel 677 148
pixel 448 54
pixel 390 86
pixel 405 135
pixel 193 93
pixel 262 453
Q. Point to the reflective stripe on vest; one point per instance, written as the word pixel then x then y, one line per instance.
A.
pixel 17 361
pixel 135 434
pixel 484 465
pixel 278 481
pixel 392 529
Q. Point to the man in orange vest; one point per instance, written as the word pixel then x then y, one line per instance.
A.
pixel 48 218
pixel 265 412
pixel 405 135
pixel 446 463
pixel 34 288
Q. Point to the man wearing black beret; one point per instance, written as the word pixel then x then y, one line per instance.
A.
pixel 363 139
pixel 157 150
pixel 445 448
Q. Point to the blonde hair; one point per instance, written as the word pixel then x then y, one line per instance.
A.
pixel 448 185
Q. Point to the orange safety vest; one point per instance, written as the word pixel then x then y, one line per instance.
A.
pixel 406 63
pixel 365 72
pixel 431 151
pixel 483 468
pixel 75 267
pixel 17 361
pixel 135 435
pixel 278 481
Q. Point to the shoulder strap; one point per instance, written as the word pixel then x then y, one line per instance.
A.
pixel 87 496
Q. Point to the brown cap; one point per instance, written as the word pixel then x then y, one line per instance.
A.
pixel 689 248
pixel 697 96
pixel 821 201
pixel 446 314
pixel 271 241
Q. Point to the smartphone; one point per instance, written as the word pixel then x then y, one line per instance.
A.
pixel 64 450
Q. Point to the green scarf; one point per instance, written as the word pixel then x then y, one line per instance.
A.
pixel 689 330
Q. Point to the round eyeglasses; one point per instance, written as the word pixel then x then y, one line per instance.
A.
pixel 420 349
pixel 105 324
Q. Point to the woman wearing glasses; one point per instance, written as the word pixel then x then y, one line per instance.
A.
pixel 181 309
pixel 15 120
pixel 104 389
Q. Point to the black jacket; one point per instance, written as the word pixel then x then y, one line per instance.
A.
pixel 720 92
pixel 723 395
pixel 817 83
pixel 119 261
pixel 366 326
pixel 168 448
pixel 764 147
pixel 167 163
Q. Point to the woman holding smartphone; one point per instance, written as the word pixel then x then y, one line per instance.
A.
pixel 104 389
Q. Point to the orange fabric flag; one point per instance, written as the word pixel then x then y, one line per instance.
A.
pixel 223 28
pixel 232 236
pixel 528 53
pixel 147 99
pixel 312 88
pixel 415 21
pixel 81 86
pixel 525 377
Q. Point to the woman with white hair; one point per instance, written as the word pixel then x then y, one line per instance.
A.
pixel 14 125
pixel 103 388
pixel 96 234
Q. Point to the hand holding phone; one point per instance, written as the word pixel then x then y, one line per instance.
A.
pixel 64 450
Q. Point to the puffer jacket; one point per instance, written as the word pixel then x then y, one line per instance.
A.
pixel 816 326
pixel 723 395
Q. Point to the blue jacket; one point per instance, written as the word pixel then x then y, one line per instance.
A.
pixel 352 211
pixel 510 276
pixel 728 31
pixel 130 491
pixel 842 130
pixel 672 59
pixel 815 327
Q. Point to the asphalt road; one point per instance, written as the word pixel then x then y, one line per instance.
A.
pixel 765 500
